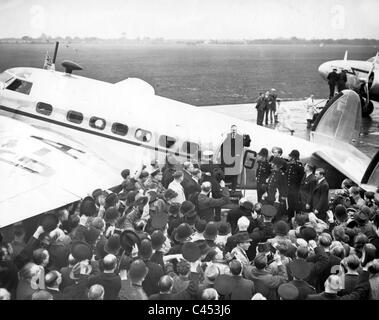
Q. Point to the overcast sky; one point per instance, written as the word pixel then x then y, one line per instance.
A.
pixel 191 19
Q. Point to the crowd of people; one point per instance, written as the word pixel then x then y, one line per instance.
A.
pixel 173 233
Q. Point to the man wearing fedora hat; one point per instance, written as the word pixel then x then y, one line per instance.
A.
pixel 262 173
pixel 243 242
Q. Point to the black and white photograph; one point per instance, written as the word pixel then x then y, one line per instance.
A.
pixel 183 150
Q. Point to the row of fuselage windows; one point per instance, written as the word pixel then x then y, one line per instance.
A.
pixel 119 129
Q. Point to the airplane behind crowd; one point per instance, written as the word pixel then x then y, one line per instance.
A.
pixel 63 135
pixel 362 77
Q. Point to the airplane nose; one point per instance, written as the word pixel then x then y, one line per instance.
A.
pixel 323 70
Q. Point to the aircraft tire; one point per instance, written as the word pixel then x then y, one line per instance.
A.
pixel 366 111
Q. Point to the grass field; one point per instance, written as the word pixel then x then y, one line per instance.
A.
pixel 200 75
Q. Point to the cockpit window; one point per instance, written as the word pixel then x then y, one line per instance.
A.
pixel 20 86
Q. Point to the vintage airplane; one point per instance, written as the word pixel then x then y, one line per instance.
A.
pixel 362 77
pixel 63 135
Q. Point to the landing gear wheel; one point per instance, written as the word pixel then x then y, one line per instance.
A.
pixel 367 110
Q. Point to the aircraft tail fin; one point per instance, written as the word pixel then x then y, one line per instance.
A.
pixel 345 56
pixel 339 121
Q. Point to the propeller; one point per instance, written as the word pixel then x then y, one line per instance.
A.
pixel 368 79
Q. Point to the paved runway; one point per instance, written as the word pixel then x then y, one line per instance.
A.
pixel 369 141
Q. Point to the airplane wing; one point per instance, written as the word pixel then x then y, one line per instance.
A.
pixel 41 171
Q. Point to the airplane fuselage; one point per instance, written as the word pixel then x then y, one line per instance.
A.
pixel 126 123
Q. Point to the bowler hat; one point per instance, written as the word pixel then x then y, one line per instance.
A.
pixel 200 225
pixel 211 231
pixel 81 250
pixel 263 152
pixel 288 291
pixel 128 239
pixel 145 250
pixel 187 207
pixel 300 269
pixel 191 218
pixel 111 200
pixel 295 154
pixel 112 245
pixel 281 228
pixel 223 228
pixel 157 239
pixel 49 222
pixel 170 194
pixel 159 220
pixel 242 237
pixel 191 252
pixel 268 210
pixel 183 231
pixel 137 270
pixel 203 246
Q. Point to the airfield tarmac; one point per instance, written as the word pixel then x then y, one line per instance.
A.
pixel 369 137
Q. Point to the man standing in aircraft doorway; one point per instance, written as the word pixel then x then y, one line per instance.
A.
pixel 332 81
pixel 260 106
pixel 231 156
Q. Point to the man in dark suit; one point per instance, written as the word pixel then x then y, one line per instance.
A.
pixel 307 185
pixel 241 288
pixel 231 155
pixel 320 196
pixel 193 185
pixel 261 107
pixel 332 81
pixel 295 173
pixel 262 173
pixel 187 176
